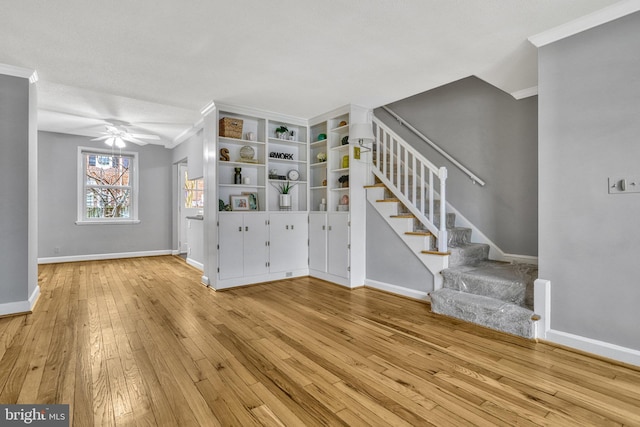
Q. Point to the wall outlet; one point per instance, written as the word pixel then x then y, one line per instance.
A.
pixel 56 250
pixel 288 274
pixel 621 185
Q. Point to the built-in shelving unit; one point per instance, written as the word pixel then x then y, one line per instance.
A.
pixel 316 235
pixel 275 154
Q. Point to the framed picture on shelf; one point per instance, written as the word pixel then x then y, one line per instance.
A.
pixel 253 201
pixel 240 203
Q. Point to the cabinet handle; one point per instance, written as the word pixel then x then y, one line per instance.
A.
pixel 240 229
pixel 292 226
pixel 246 228
pixel 324 227
pixel 329 228
pixel 286 227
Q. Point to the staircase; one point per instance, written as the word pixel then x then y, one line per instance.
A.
pixel 467 285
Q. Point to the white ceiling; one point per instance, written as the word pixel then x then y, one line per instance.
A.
pixel 156 63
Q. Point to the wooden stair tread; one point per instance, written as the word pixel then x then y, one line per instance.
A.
pixel 436 253
pixel 403 216
pixel 418 233
pixel 377 185
pixel 390 200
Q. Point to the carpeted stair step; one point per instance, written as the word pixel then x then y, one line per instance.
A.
pixel 484 311
pixel 469 253
pixel 511 283
pixel 458 236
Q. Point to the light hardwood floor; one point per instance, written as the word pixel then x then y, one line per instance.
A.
pixel 142 342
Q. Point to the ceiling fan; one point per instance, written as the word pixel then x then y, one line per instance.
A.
pixel 116 134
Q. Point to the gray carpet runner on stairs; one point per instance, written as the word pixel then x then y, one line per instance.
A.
pixel 494 294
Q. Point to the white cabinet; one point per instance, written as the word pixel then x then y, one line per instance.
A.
pixel 242 245
pixel 329 246
pixel 318 242
pixel 288 250
pixel 338 245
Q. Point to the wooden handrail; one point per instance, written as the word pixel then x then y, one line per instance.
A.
pixel 474 178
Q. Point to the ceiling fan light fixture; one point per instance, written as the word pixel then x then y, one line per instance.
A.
pixel 119 142
pixel 109 141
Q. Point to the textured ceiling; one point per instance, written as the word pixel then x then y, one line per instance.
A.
pixel 156 63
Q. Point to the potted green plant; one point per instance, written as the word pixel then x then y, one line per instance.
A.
pixel 285 196
pixel 344 180
pixel 282 132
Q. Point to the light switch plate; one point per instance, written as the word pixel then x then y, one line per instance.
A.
pixel 631 185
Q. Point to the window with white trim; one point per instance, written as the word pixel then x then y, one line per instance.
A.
pixel 107 187
pixel 193 192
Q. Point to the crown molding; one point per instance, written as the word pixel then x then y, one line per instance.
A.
pixel 10 70
pixel 208 108
pixel 333 113
pixel 256 112
pixel 610 13
pixel 186 134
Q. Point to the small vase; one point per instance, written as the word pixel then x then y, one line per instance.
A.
pixel 285 202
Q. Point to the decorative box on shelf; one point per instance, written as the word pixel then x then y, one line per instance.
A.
pixel 230 127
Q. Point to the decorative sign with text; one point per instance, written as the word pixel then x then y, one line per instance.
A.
pixel 283 156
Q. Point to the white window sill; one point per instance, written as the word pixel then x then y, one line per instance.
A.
pixel 110 222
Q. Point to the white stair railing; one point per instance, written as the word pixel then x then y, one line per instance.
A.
pixel 410 177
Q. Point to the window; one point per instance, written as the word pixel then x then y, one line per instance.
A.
pixel 107 187
pixel 193 192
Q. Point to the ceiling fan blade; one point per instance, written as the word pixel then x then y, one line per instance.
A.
pixel 111 128
pixel 129 138
pixel 102 138
pixel 145 136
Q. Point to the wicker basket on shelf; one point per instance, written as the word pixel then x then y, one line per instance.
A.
pixel 230 127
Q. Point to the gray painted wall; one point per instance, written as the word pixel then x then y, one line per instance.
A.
pixel 14 178
pixel 389 260
pixel 589 90
pixel 493 135
pixel 57 201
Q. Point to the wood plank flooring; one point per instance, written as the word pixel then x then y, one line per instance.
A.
pixel 142 342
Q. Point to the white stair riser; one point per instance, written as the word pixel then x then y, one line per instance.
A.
pixel 375 193
pixel 417 243
pixel 400 225
pixel 388 208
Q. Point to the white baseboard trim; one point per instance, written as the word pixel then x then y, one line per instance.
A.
pixel 542 307
pixel 34 297
pixel 601 348
pixel 399 290
pixel 9 308
pixel 526 259
pixel 196 264
pixel 525 93
pixel 175 252
pixel 96 257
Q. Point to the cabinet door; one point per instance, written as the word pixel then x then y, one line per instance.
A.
pixel 255 244
pixel 288 242
pixel 230 241
pixel 318 242
pixel 338 244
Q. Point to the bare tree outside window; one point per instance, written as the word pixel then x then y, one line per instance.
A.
pixel 108 186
